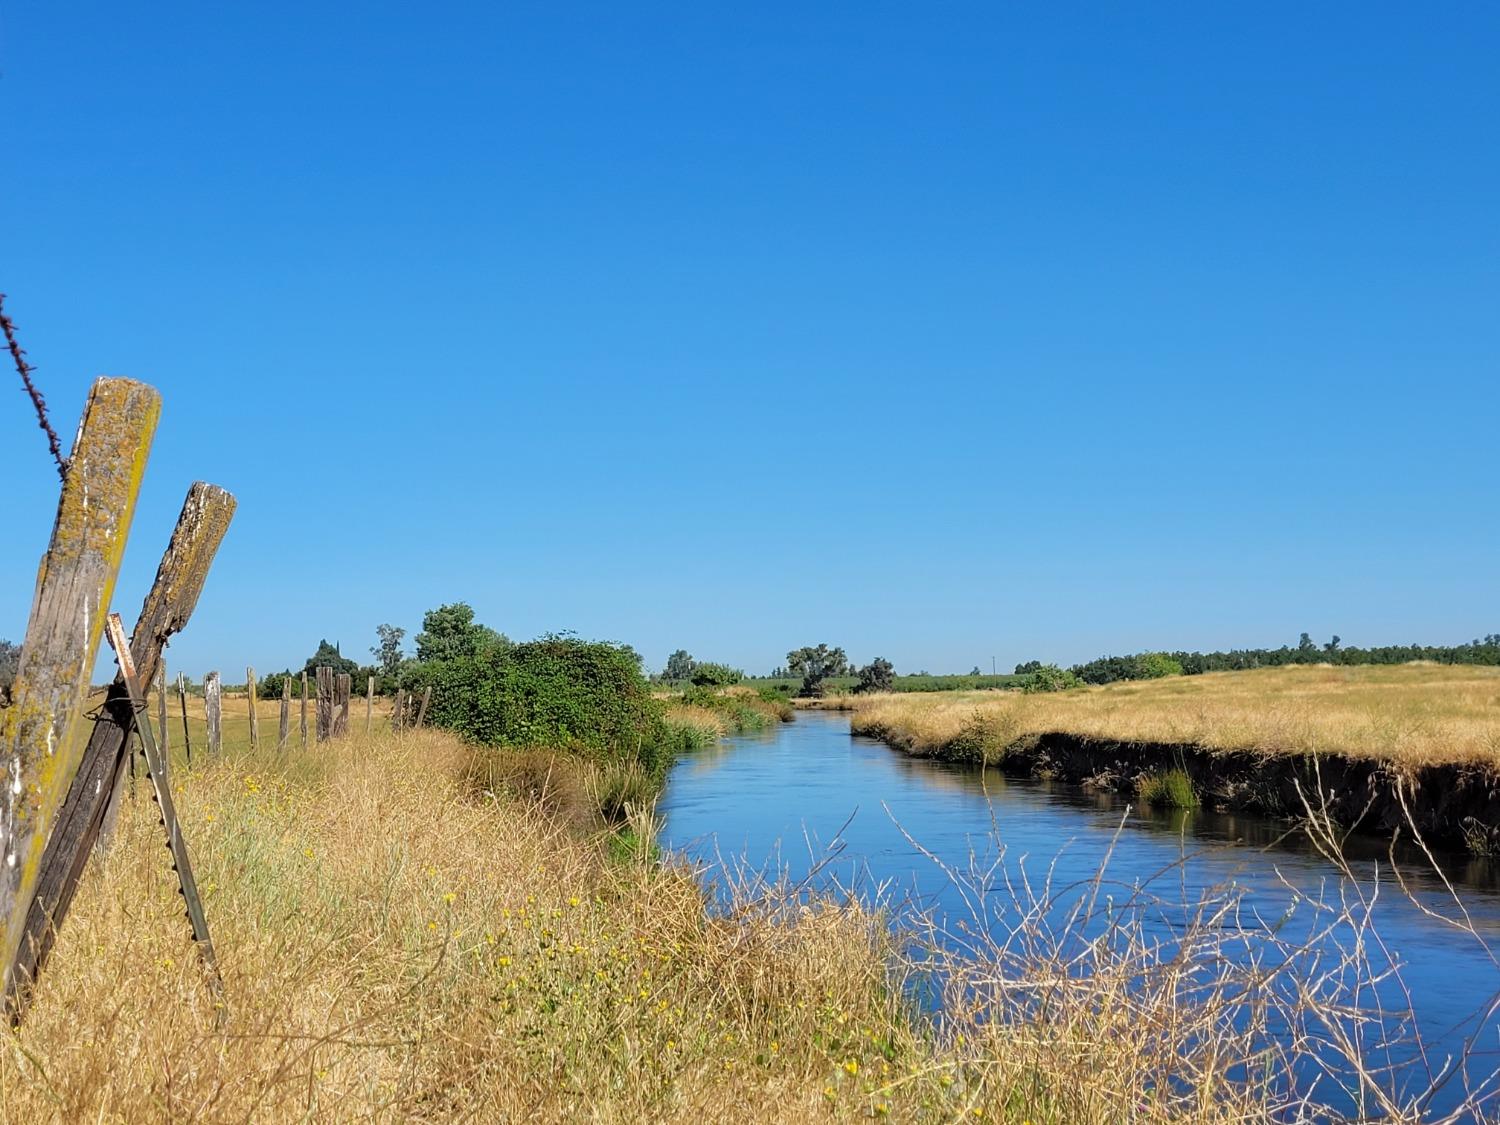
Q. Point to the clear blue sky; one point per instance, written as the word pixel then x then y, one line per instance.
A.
pixel 939 332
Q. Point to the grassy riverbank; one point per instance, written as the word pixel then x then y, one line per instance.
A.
pixel 403 937
pixel 1411 715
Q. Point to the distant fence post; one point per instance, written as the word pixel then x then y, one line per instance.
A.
pixel 422 711
pixel 161 710
pixel 396 709
pixel 343 685
pixel 369 703
pixel 325 703
pixel 254 719
pixel 42 732
pixel 284 728
pixel 212 712
pixel 304 710
pixel 187 742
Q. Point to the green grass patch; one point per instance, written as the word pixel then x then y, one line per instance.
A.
pixel 1170 789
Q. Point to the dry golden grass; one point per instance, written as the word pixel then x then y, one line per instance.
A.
pixel 1412 714
pixel 399 945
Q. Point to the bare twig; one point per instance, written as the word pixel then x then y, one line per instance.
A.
pixel 39 403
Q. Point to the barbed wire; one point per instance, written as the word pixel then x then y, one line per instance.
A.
pixel 39 403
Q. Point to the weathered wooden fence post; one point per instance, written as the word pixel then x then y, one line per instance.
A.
pixel 325 703
pixel 187 741
pixel 42 731
pixel 342 686
pixel 422 711
pixel 284 728
pixel 213 712
pixel 369 702
pixel 304 710
pixel 254 719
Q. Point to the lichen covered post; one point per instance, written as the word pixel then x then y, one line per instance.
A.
pixel 44 728
pixel 87 816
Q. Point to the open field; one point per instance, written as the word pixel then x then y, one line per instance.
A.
pixel 400 943
pixel 1413 714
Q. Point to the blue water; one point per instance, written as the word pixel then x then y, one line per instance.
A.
pixel 809 797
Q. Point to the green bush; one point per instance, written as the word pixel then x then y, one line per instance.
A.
pixel 589 697
pixel 1049 677
pixel 1155 665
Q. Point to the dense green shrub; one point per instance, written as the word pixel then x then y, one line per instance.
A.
pixel 1155 665
pixel 559 692
pixel 1049 677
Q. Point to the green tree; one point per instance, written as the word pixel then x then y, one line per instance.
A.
pixel 329 656
pixel 716 675
pixel 388 652
pixel 450 633
pixel 878 675
pixel 680 666
pixel 815 665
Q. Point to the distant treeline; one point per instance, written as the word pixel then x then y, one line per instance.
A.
pixel 1149 665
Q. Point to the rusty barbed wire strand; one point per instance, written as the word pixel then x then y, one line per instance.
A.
pixel 25 369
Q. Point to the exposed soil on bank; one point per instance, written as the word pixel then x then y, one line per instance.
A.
pixel 1452 805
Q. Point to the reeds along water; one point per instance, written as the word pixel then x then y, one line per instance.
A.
pixel 1072 960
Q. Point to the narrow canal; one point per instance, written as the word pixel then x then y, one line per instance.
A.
pixel 810 797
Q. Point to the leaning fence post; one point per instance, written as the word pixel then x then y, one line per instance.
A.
pixel 422 711
pixel 325 703
pixel 213 712
pixel 42 731
pixel 369 702
pixel 284 728
pixel 254 719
